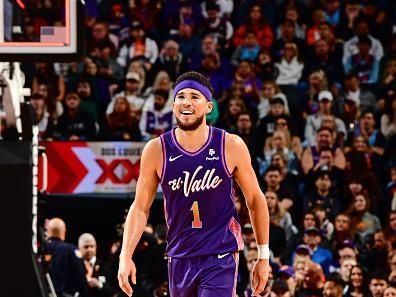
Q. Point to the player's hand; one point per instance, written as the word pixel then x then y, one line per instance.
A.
pixel 126 270
pixel 259 276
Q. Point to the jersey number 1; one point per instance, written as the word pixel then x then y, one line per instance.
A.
pixel 197 223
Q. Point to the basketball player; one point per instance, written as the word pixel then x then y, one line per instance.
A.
pixel 195 165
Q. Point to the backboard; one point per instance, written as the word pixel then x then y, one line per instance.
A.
pixel 50 30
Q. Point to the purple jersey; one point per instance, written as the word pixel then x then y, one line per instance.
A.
pixel 198 196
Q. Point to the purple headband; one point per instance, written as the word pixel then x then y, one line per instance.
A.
pixel 193 84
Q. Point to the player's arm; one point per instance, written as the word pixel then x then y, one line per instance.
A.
pixel 238 160
pixel 139 211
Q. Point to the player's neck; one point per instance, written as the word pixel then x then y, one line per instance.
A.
pixel 192 140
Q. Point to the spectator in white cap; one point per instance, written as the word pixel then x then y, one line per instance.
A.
pixel 131 92
pixel 314 122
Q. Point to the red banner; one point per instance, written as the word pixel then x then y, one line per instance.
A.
pixel 91 167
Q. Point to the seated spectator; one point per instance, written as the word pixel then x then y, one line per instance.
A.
pixel 325 163
pixel 299 265
pixel 122 123
pixel 317 82
pixel 209 47
pixel 255 23
pixel 101 34
pixel 161 82
pixel 376 258
pixel 315 121
pixel 278 215
pixel 365 65
pixel 367 129
pixel 332 10
pixel 390 198
pixel 273 182
pixel 249 50
pixel 251 85
pixel 217 26
pixel 390 292
pixel 358 283
pixel 244 130
pixel 148 13
pixel 266 126
pixel 45 74
pixel 40 114
pixel 334 286
pixel 378 283
pixel 346 250
pixel 156 118
pixel 363 222
pixel 130 92
pixel 279 143
pixel 289 67
pixel 287 35
pixel 292 14
pixel 325 225
pixel 101 279
pixel 318 17
pixel 211 68
pixel 346 267
pixel 270 90
pixel 229 118
pixel 265 67
pixel 89 102
pixel 283 123
pixel 361 27
pixel 54 107
pixel 138 67
pixel 343 230
pixel 170 60
pixel 364 99
pixel 313 281
pixel 324 59
pixel 108 66
pixel 75 123
pixel 323 195
pixel 324 140
pixel 388 119
pixel 190 43
pixel 138 47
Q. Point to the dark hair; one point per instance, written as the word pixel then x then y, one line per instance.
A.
pixel 336 278
pixel 379 274
pixel 162 93
pixel 361 19
pixel 364 287
pixel 211 5
pixel 193 75
pixel 273 168
pixel 364 40
pixel 324 129
pixel 36 96
pixel 388 108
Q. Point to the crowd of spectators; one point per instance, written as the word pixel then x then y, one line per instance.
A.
pixel 310 86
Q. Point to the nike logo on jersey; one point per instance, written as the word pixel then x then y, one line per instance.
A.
pixel 171 158
pixel 222 256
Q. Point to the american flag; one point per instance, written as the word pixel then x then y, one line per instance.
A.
pixel 53 34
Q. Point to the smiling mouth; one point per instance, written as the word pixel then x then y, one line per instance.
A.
pixel 187 112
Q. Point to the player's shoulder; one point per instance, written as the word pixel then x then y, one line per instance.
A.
pixel 233 140
pixel 153 146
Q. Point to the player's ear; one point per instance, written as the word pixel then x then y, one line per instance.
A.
pixel 209 107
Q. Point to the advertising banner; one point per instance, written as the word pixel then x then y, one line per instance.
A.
pixel 91 167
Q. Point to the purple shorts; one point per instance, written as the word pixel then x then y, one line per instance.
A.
pixel 210 276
